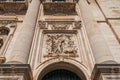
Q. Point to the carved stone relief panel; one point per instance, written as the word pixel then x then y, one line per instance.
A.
pixel 60 44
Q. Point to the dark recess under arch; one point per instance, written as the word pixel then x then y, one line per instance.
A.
pixel 61 74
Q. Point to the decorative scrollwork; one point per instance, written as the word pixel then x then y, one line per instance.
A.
pixel 61 44
pixel 60 26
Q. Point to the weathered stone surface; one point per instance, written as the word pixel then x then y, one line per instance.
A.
pixel 115 24
pixel 110 8
pixel 66 34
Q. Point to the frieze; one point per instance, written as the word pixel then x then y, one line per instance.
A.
pixel 60 25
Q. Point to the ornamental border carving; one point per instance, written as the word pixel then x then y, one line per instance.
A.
pixel 60 25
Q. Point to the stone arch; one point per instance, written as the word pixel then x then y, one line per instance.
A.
pixel 70 65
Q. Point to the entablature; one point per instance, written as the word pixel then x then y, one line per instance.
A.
pixel 60 25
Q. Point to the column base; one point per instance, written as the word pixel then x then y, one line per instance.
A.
pixel 15 72
pixel 106 72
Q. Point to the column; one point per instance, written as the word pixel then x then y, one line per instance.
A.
pixel 22 45
pixel 98 44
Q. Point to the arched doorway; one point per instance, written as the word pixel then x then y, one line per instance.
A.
pixel 61 74
pixel 68 68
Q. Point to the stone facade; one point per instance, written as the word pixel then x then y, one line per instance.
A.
pixel 41 36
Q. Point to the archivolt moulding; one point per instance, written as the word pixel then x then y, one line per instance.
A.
pixel 67 64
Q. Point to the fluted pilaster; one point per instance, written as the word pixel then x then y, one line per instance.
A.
pixel 22 45
pixel 100 49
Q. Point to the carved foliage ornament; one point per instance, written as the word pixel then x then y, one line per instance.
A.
pixel 61 44
pixel 60 27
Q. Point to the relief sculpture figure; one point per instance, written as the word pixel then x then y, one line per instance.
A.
pixel 60 44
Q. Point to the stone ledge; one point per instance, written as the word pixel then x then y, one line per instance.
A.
pixel 104 68
pixel 19 69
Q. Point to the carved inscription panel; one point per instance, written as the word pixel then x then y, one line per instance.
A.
pixel 60 45
pixel 111 8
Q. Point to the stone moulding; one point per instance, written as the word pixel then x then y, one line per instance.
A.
pixel 13 7
pixel 60 31
pixel 60 25
pixel 23 70
pixel 6 22
pixel 105 69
